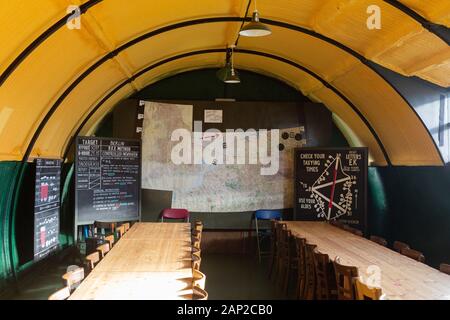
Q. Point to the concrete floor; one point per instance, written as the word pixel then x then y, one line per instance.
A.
pixel 229 277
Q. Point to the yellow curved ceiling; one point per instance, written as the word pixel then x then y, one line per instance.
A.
pixel 30 95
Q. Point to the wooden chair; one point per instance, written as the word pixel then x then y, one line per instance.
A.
pixel 196 235
pixel 273 247
pixel 413 254
pixel 62 294
pixel 337 223
pixel 103 249
pixel 126 226
pixel 344 280
pixel 310 270
pixel 110 240
pixel 398 246
pixel 104 228
pixel 199 294
pixel 196 261
pixel 91 261
pixel 73 278
pixel 281 251
pixel 196 244
pixel 381 241
pixel 325 278
pixel 284 258
pixel 445 268
pixel 346 227
pixel 363 292
pixel 198 279
pixel 300 244
pixel 120 231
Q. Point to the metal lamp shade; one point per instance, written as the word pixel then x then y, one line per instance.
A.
pixel 255 28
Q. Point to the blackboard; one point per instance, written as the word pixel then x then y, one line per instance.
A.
pixel 331 184
pixel 108 180
pixel 46 207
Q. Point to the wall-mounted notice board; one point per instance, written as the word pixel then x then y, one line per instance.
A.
pixel 46 207
pixel 108 180
pixel 331 184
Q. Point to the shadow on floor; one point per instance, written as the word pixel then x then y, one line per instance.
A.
pixel 237 277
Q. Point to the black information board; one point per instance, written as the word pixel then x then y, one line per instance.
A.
pixel 331 184
pixel 108 180
pixel 46 207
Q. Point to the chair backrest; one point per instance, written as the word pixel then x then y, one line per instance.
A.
pixel 196 243
pixel 62 294
pixel 110 240
pixel 364 292
pixel 126 226
pixel 398 246
pixel 381 241
pixel 103 249
pixel 323 269
pixel 413 254
pixel 336 223
pixel 199 294
pixel 92 260
pixel 74 278
pixel 120 231
pixel 344 280
pixel 310 271
pixel 105 225
pixel 300 244
pixel 196 261
pixel 175 214
pixel 198 279
pixel 268 215
pixel 445 268
pixel 196 235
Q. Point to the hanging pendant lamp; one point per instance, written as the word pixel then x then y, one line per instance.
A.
pixel 255 28
pixel 228 74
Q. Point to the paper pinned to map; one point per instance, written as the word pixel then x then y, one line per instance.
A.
pixel 213 116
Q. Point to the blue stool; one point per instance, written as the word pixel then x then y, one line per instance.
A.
pixel 265 215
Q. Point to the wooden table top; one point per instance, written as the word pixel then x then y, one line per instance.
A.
pixel 402 278
pixel 150 262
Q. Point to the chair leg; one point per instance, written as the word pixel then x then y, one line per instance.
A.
pixel 257 239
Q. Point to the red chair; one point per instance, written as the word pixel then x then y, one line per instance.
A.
pixel 175 214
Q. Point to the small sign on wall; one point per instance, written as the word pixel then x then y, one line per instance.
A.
pixel 213 116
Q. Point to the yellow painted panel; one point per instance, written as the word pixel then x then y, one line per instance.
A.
pixel 437 11
pixel 438 72
pixel 54 136
pixel 22 22
pixel 313 53
pixel 174 67
pixel 290 11
pixel 406 140
pixel 174 42
pixel 417 53
pixel 346 22
pixel 38 82
pixel 123 22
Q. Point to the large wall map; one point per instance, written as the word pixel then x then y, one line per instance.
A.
pixel 331 184
pixel 212 188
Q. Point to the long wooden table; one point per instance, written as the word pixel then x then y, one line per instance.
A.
pixel 402 278
pixel 152 261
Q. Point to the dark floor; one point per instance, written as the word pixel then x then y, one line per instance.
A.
pixel 229 277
